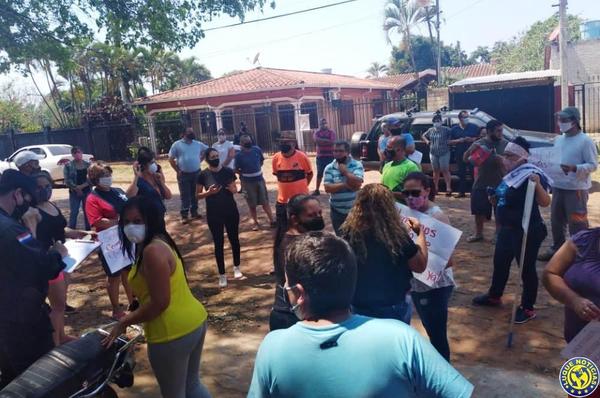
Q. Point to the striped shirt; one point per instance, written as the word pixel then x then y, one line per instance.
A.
pixel 439 140
pixel 342 201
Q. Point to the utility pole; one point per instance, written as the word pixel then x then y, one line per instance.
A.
pixel 438 70
pixel 562 48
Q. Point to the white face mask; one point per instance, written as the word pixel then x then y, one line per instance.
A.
pixel 105 182
pixel 136 233
pixel 437 125
pixel 153 168
pixel 564 127
pixel 466 120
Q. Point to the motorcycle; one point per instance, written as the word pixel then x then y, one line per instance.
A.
pixel 79 369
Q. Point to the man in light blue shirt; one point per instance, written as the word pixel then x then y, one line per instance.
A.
pixel 343 178
pixel 334 354
pixel 185 157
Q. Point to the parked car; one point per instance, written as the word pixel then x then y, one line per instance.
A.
pixel 364 144
pixel 53 158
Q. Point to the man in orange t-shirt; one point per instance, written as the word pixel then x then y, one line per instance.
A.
pixel 294 173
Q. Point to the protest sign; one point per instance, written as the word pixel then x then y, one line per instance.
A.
pixel 112 249
pixel 585 344
pixel 78 250
pixel 416 157
pixel 441 240
pixel 547 159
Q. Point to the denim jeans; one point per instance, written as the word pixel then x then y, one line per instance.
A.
pixel 432 307
pixel 281 215
pixel 75 202
pixel 569 208
pixel 401 311
pixel 187 192
pixel 337 219
pixel 508 247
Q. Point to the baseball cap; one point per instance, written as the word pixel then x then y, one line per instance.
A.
pixel 24 157
pixel 13 179
pixel 570 112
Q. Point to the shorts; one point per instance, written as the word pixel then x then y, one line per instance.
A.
pixel 441 163
pixel 322 162
pixel 480 204
pixel 106 268
pixel 255 192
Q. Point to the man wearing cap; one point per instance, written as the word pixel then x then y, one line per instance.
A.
pixel 578 160
pixel 28 162
pixel 324 138
pixel 25 328
pixel 294 173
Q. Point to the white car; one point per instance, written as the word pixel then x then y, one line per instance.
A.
pixel 53 158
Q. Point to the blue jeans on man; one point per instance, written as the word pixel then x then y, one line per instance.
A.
pixel 187 192
pixel 76 202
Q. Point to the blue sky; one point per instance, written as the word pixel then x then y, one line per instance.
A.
pixel 348 37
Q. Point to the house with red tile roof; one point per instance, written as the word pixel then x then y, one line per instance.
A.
pixel 269 101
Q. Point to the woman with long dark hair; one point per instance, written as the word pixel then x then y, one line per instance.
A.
pixel 174 320
pixel 149 180
pixel 304 215
pixel 217 185
pixel 386 254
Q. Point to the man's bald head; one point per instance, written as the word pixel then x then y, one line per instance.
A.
pixel 396 147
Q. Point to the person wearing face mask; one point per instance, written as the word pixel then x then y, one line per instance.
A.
pixel 226 150
pixel 570 192
pixel 431 302
pixel 509 197
pixel 438 138
pixel 293 171
pixel 217 185
pixel 185 157
pixel 149 180
pixel 304 215
pixel 75 173
pixel 28 162
pixel 386 254
pixel 102 207
pixel 248 165
pixel 463 135
pixel 324 139
pixel 52 227
pixel 25 327
pixel 343 178
pixel 397 167
pixel 333 353
pixel 489 175
pixel 175 322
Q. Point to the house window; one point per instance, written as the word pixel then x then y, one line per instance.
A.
pixel 311 109
pixel 346 112
pixel 227 121
pixel 286 118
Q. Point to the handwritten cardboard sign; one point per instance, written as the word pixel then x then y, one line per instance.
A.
pixel 112 249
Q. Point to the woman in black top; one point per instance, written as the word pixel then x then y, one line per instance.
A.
pixel 304 215
pixel 51 228
pixel 217 185
pixel 149 180
pixel 386 254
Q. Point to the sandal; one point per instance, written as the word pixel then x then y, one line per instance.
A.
pixel 117 316
pixel 256 228
pixel 474 238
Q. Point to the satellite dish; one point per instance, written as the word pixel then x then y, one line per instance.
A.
pixel 256 61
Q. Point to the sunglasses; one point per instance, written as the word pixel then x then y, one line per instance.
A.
pixel 415 193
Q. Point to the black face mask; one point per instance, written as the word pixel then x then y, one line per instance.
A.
pixel 390 154
pixel 342 160
pixel 285 148
pixel 213 162
pixel 314 224
pixel 247 145
pixel 495 138
pixel 190 136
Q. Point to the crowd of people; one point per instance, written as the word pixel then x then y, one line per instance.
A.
pixel 342 302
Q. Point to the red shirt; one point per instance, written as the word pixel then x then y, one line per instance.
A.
pixel 97 208
pixel 325 151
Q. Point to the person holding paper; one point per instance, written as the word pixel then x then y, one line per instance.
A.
pixel 509 197
pixel 175 322
pixel 386 254
pixel 52 227
pixel 573 277
pixel 25 327
pixel 431 302
pixel 102 208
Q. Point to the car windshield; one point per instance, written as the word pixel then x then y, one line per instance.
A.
pixel 60 150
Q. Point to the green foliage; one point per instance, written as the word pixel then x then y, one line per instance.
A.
pixel 377 70
pixel 451 55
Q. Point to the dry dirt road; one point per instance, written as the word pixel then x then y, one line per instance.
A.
pixel 238 315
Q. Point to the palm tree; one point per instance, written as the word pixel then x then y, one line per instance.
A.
pixel 402 16
pixel 376 70
pixel 427 14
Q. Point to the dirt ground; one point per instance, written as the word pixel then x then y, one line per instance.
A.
pixel 238 315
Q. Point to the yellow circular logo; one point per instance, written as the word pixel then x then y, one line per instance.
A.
pixel 579 377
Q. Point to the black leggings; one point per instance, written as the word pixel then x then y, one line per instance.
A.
pixel 219 221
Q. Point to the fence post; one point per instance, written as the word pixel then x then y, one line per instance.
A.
pixel 88 133
pixel 152 131
pixel 11 134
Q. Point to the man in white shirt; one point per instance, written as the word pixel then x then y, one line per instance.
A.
pixel 225 149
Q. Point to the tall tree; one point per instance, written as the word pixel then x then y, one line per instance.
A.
pixel 376 70
pixel 402 17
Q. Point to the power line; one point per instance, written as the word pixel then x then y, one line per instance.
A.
pixel 464 9
pixel 280 15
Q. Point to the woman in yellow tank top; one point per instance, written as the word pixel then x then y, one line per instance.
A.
pixel 174 320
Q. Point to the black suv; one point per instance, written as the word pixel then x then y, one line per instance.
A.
pixel 364 145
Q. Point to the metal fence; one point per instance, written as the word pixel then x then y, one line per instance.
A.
pixel 587 99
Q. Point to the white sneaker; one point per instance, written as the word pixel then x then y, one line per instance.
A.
pixel 222 281
pixel 237 274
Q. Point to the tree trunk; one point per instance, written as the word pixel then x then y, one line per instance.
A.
pixel 42 95
pixel 433 53
pixel 412 55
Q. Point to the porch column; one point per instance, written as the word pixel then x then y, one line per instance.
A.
pixel 153 145
pixel 218 118
pixel 299 134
